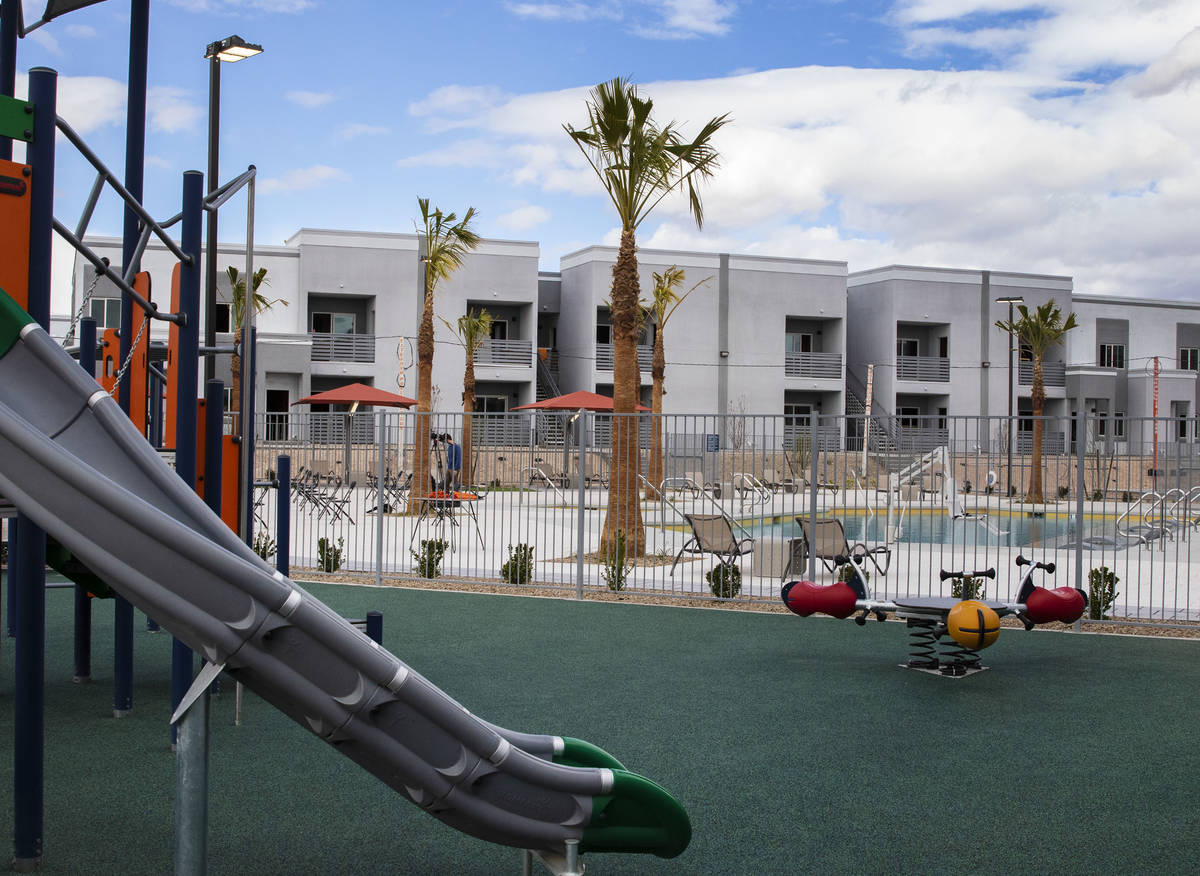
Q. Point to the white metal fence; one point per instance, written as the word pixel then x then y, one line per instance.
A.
pixel 1126 511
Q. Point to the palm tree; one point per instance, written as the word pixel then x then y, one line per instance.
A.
pixel 473 329
pixel 638 164
pixel 1039 330
pixel 237 285
pixel 447 243
pixel 665 300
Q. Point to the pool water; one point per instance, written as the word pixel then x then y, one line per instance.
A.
pixel 1011 530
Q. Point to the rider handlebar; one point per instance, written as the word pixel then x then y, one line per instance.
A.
pixel 962 573
pixel 1048 567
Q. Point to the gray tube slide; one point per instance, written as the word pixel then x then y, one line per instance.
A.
pixel 72 462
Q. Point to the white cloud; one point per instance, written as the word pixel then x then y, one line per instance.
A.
pixel 46 41
pixel 353 130
pixel 650 19
pixel 1050 37
pixel 309 99
pixel 301 178
pixel 170 110
pixel 523 218
pixel 570 11
pixel 1007 169
pixel 82 31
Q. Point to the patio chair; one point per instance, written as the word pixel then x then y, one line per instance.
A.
pixel 713 534
pixel 825 539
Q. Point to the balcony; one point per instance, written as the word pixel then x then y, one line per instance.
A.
pixel 337 347
pixel 826 366
pixel 604 357
pixel 496 352
pixel 923 369
pixel 1053 373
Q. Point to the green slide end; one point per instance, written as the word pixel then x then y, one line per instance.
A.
pixel 638 816
pixel 66 564
pixel 577 753
pixel 12 320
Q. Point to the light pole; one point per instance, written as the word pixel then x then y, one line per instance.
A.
pixel 230 49
pixel 1010 300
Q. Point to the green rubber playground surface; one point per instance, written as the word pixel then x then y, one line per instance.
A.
pixel 795 745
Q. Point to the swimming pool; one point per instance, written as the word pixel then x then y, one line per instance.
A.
pixel 1004 529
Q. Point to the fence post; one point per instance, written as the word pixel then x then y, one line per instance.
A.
pixel 1080 449
pixel 283 514
pixel 813 420
pixel 380 496
pixel 375 627
pixel 585 427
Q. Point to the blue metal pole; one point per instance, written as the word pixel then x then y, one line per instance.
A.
pixel 29 699
pixel 9 15
pixel 375 627
pixel 83 602
pixel 135 154
pixel 283 514
pixel 214 430
pixel 186 395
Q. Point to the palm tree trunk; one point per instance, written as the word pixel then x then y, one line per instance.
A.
pixel 624 500
pixel 1038 399
pixel 658 371
pixel 468 409
pixel 420 481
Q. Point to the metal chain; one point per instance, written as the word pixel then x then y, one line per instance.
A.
pixel 128 358
pixel 87 299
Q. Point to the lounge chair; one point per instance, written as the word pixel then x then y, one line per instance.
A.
pixel 713 534
pixel 825 539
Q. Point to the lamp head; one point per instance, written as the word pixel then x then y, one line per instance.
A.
pixel 232 48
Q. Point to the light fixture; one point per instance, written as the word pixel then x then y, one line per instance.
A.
pixel 231 49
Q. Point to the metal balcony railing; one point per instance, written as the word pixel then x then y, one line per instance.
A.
pixel 923 368
pixel 820 365
pixel 499 431
pixel 1053 373
pixel 496 352
pixel 604 357
pixel 329 347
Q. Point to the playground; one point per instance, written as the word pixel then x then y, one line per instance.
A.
pixel 795 745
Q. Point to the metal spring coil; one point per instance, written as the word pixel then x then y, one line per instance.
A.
pixel 957 659
pixel 923 639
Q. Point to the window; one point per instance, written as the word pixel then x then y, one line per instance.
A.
pixel 944 347
pixel 942 417
pixel 799 343
pixel 1189 358
pixel 1112 356
pixel 1026 353
pixel 908 347
pixel 223 318
pixel 1119 424
pixel 333 323
pixel 499 331
pixel 796 415
pixel 603 333
pixel 491 404
pixel 909 417
pixel 106 312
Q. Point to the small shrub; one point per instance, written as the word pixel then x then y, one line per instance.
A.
pixel 966 487
pixel 1062 492
pixel 1126 497
pixel 968 587
pixel 989 489
pixel 518 568
pixel 1102 592
pixel 725 582
pixel 847 574
pixel 1097 495
pixel 615 567
pixel 429 555
pixel 329 557
pixel 264 545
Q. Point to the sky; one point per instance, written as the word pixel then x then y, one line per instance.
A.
pixel 1060 137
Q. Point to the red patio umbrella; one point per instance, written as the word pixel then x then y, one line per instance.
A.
pixel 355 394
pixel 574 401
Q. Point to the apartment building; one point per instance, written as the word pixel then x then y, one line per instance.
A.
pixel 761 335
pixel 354 303
pixel 929 339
